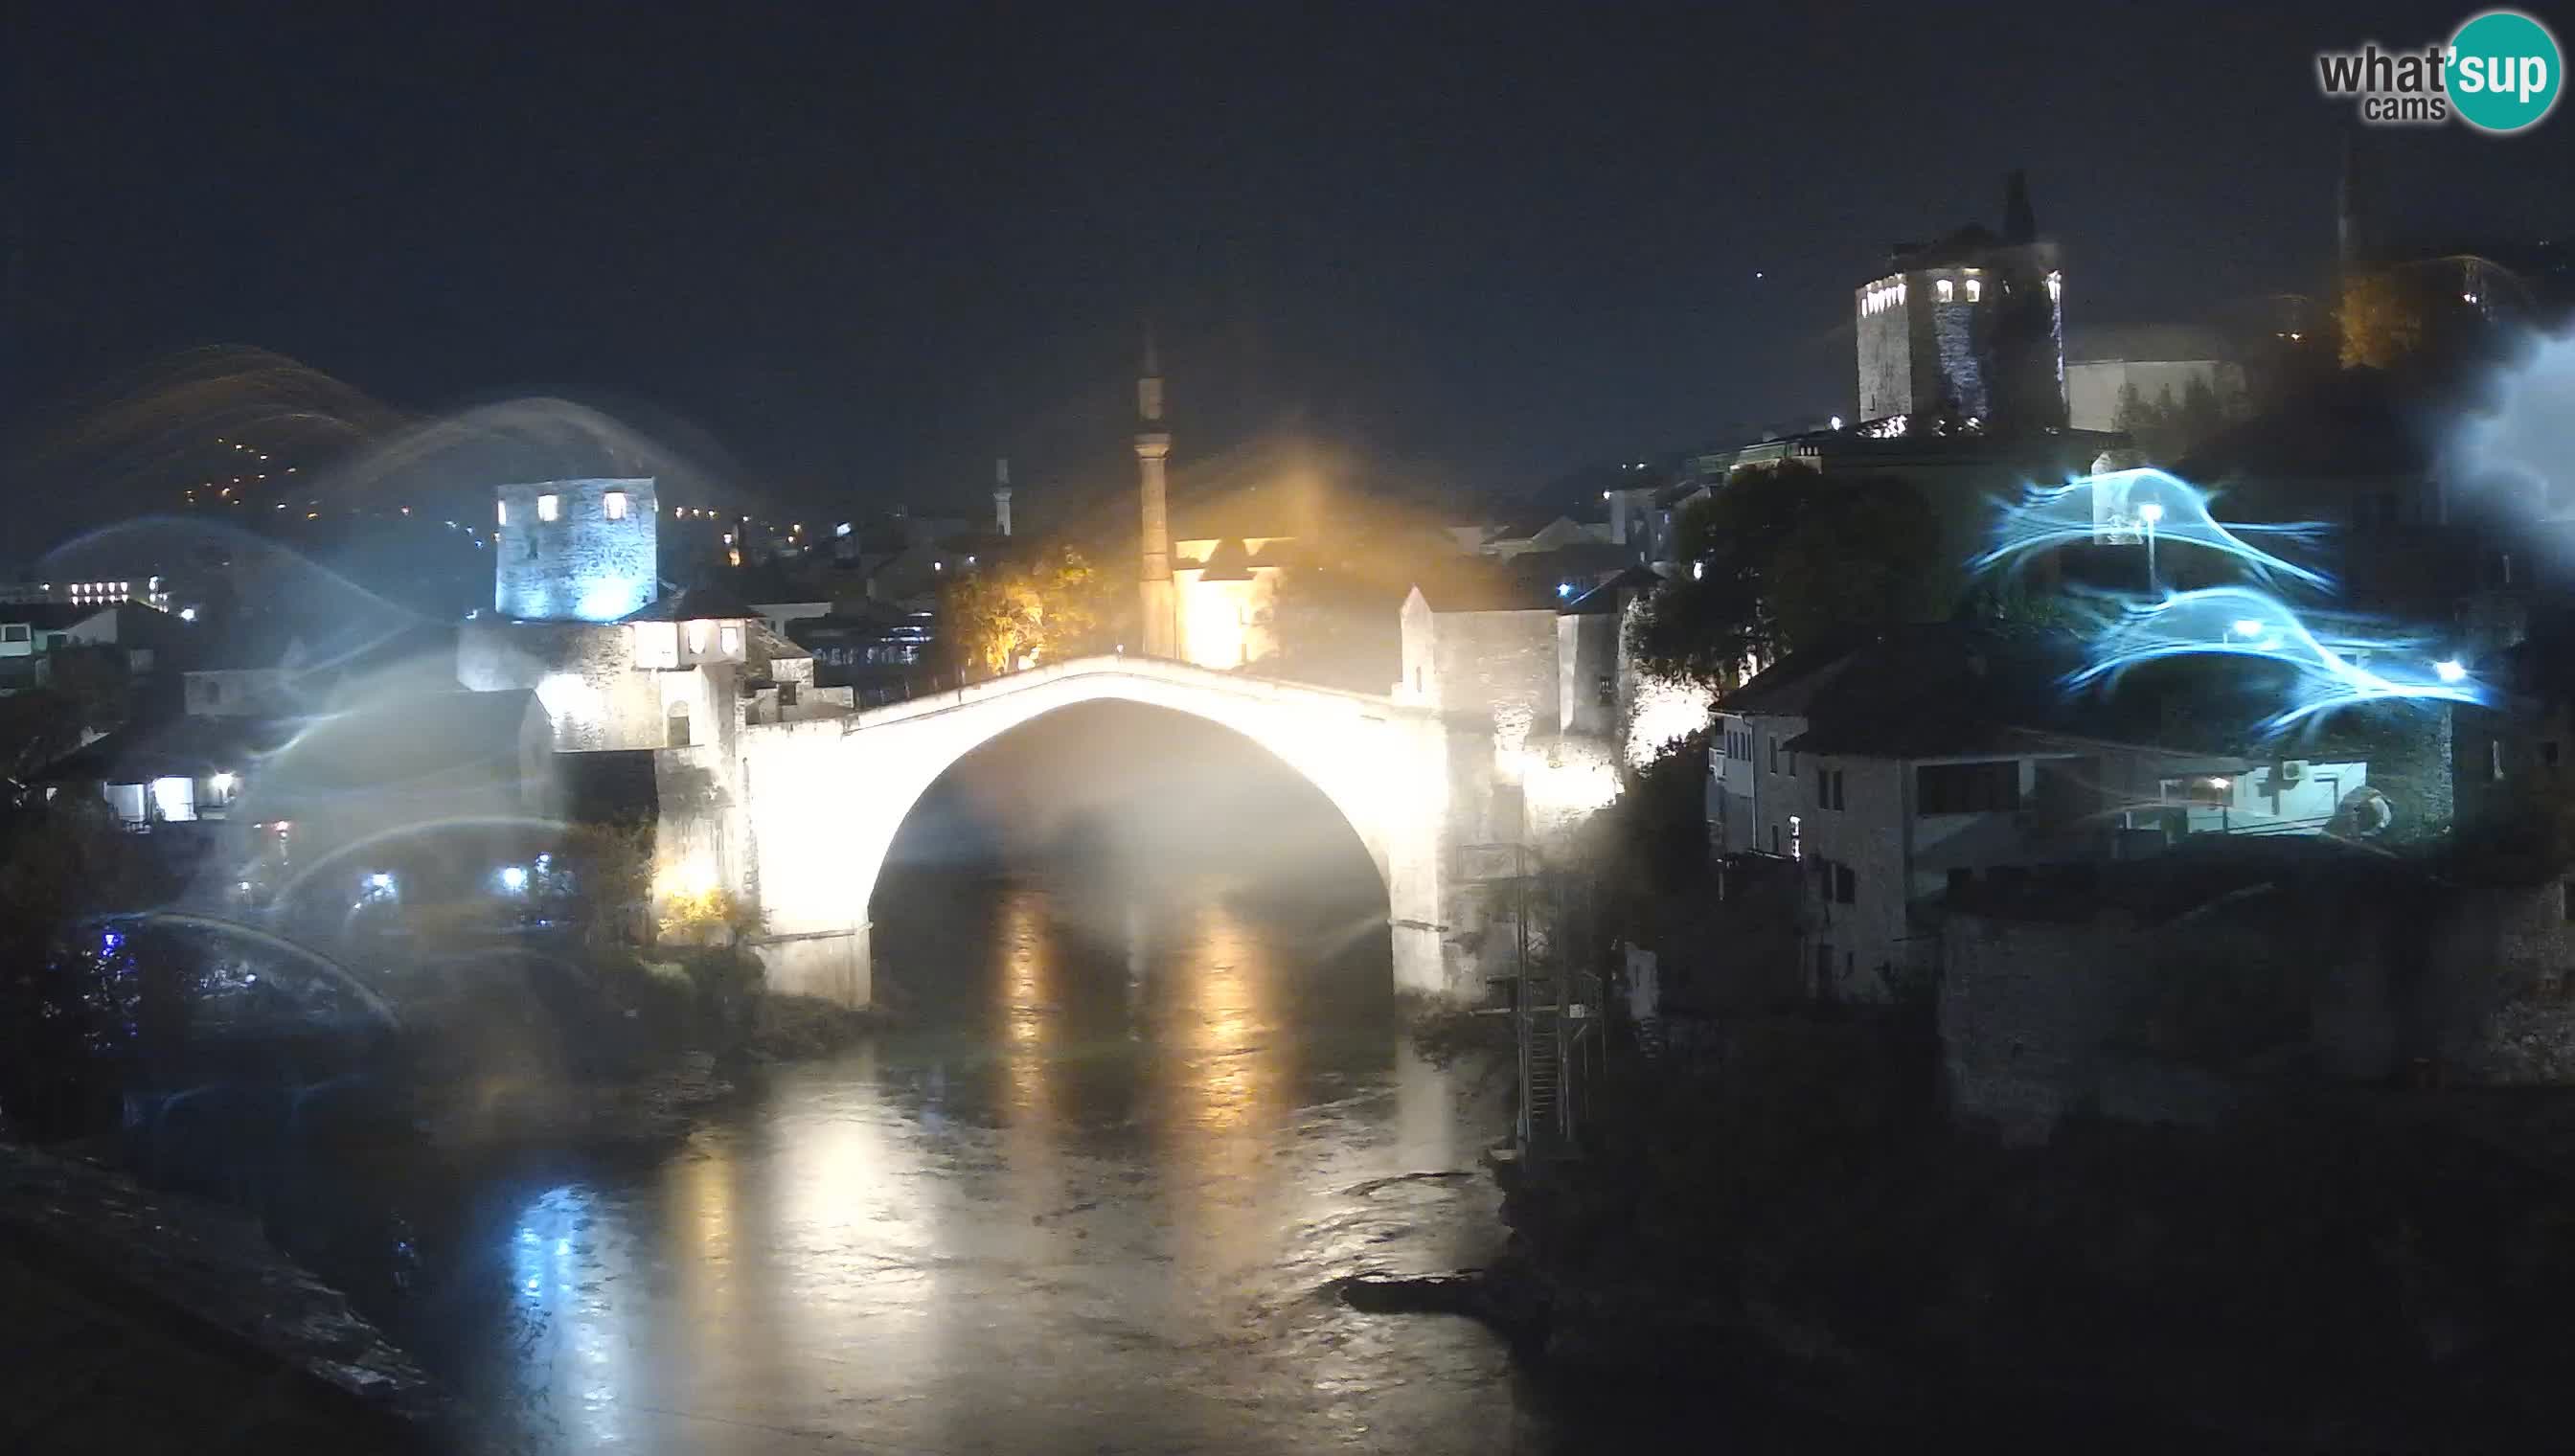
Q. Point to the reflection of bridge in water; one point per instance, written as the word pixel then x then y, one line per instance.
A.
pixel 815 802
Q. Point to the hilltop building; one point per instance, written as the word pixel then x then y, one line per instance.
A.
pixel 1967 333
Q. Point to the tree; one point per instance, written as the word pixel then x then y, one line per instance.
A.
pixel 1780 559
pixel 608 871
pixel 2381 321
pixel 1043 608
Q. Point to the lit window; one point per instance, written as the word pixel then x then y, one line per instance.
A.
pixel 1975 289
pixel 732 640
pixel 1946 290
pixel 2055 288
pixel 615 504
pixel 548 506
pixel 504 512
pixel 697 637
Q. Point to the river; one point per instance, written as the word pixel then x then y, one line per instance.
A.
pixel 1090 1196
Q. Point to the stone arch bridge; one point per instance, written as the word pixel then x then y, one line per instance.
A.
pixel 800 819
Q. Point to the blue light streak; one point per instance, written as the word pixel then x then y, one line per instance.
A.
pixel 2142 504
pixel 2244 621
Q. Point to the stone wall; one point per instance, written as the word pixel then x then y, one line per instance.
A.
pixel 582 566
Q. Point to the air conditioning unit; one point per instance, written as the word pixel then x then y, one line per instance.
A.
pixel 2290 771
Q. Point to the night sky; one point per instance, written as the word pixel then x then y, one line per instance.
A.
pixel 867 250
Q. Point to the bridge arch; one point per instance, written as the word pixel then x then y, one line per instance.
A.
pixel 820 801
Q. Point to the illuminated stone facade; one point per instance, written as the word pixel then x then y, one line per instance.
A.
pixel 574 551
pixel 823 801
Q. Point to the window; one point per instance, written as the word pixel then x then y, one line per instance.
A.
pixel 2494 759
pixel 15 631
pixel 548 508
pixel 1975 289
pixel 1967 789
pixel 1774 838
pixel 614 505
pixel 1774 755
pixel 697 637
pixel 501 512
pixel 1796 837
pixel 1944 288
pixel 732 641
pixel 1608 690
pixel 1829 788
pixel 2212 792
pixel 1846 884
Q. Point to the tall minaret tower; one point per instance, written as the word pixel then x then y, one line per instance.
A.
pixel 1153 449
pixel 1001 495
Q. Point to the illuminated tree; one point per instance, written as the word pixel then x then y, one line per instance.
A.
pixel 1044 608
pixel 2381 321
pixel 700 917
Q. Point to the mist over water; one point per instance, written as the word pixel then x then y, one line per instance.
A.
pixel 1148 1099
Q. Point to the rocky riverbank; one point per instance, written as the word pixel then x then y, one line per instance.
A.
pixel 146 1320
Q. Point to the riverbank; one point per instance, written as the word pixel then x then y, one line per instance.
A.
pixel 138 1320
pixel 2320 1273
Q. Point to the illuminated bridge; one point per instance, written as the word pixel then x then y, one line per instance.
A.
pixel 815 804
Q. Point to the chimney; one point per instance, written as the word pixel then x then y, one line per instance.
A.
pixel 1001 495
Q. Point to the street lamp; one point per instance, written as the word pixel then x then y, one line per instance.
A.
pixel 2150 513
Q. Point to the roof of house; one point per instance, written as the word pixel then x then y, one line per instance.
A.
pixel 1483 587
pixel 1936 691
pixel 53 616
pixel 403 742
pixel 1613 594
pixel 179 746
pixel 697 603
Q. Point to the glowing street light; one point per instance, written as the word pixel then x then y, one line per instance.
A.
pixel 2450 670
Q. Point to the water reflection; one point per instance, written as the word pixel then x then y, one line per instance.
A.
pixel 1087 1199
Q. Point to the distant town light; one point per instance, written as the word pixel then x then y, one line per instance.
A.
pixel 841 530
pixel 2248 627
pixel 2450 670
pixel 1837 422
pixel 187 613
pixel 1565 589
pixel 514 877
pixel 2151 511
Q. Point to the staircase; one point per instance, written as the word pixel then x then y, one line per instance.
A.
pixel 1546 1126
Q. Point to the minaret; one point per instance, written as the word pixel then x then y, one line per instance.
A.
pixel 1153 449
pixel 1001 495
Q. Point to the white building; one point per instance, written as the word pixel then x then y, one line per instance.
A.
pixel 1939 766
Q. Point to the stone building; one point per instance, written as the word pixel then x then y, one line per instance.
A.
pixel 574 551
pixel 1966 333
pixel 681 676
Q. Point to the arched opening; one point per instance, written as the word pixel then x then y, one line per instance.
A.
pixel 1125 906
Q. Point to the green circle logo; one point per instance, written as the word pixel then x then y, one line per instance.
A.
pixel 2504 72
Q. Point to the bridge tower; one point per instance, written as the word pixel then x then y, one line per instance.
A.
pixel 1159 605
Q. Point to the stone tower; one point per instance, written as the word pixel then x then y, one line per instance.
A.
pixel 1967 333
pixel 1153 451
pixel 576 551
pixel 1002 496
